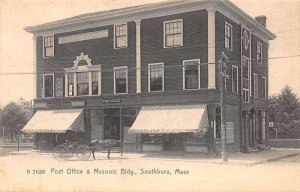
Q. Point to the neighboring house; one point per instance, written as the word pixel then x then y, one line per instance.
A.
pixel 153 70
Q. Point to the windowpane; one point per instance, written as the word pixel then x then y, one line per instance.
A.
pixel 121 36
pixel 83 83
pixel 48 46
pixel 234 79
pixel 70 84
pixel 121 80
pixel 156 77
pixel 228 36
pixel 48 85
pixel 259 53
pixel 173 33
pixel 191 75
pixel 95 83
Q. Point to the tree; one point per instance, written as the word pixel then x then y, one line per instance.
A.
pixel 284 111
pixel 13 118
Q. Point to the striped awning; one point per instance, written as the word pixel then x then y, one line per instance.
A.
pixel 56 121
pixel 171 119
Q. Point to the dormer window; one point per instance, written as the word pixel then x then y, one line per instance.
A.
pixel 48 43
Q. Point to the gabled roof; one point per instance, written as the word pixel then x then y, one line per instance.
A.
pixel 140 12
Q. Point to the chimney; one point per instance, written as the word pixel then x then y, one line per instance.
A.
pixel 261 20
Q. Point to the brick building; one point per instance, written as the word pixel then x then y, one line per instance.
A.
pixel 149 76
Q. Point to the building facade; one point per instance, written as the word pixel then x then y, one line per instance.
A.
pixel 151 76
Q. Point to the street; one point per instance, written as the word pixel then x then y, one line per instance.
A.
pixel 132 173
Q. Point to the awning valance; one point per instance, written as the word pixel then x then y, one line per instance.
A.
pixel 171 119
pixel 55 121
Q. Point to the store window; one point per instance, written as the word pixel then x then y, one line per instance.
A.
pixel 82 83
pixel 121 80
pixel 191 74
pixel 48 85
pixel 152 139
pixel 48 46
pixel 156 77
pixel 228 36
pixel 120 36
pixel 173 33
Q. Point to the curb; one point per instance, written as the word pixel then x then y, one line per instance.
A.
pixel 274 159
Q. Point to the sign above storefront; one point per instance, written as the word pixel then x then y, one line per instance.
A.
pixel 66 104
pixel 111 100
pixel 83 36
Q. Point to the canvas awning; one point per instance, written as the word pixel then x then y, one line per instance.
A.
pixel 171 119
pixel 55 121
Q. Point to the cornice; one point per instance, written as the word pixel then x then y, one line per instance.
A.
pixel 110 17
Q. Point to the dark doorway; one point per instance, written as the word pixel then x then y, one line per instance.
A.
pixel 112 124
pixel 173 142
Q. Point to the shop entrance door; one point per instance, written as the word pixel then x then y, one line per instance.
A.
pixel 112 124
pixel 173 142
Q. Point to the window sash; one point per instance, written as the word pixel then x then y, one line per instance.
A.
pixel 259 53
pixel 255 85
pixel 173 33
pixel 191 75
pixel 82 83
pixel 264 88
pixel 48 46
pixel 234 79
pixel 120 80
pixel 228 36
pixel 121 36
pixel 156 77
pixel 48 85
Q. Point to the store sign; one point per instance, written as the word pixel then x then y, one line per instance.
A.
pixel 111 100
pixel 152 148
pixel 59 104
pixel 83 36
pixel 196 149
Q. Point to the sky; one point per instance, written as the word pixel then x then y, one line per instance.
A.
pixel 16 45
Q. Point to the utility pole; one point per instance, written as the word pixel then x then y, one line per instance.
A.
pixel 223 128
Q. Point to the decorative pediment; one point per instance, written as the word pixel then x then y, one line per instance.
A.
pixel 82 57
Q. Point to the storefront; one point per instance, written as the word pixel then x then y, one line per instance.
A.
pixel 175 128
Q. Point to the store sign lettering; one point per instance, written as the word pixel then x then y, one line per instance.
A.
pixel 112 100
pixel 196 149
pixel 152 148
pixel 59 104
pixel 83 36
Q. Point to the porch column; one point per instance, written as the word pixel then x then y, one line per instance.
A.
pixel 211 49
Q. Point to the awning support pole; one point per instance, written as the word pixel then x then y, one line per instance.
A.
pixel 223 128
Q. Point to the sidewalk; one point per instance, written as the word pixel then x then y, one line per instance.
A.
pixel 233 158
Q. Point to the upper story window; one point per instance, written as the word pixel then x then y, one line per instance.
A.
pixel 228 36
pixel 255 85
pixel 70 86
pixel 83 80
pixel 246 77
pixel 120 38
pixel 264 88
pixel 48 43
pixel 173 33
pixel 48 85
pixel 259 53
pixel 82 83
pixel 156 77
pixel 191 74
pixel 121 80
pixel 235 77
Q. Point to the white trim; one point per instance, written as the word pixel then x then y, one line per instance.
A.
pixel 34 67
pixel 114 38
pixel 75 84
pixel 149 77
pixel 255 85
pixel 66 85
pixel 231 38
pixel 172 21
pixel 211 50
pixel 244 57
pixel 265 93
pixel 250 61
pixel 48 74
pixel 183 70
pixel 261 53
pixel 237 79
pixel 90 83
pixel 138 56
pixel 50 35
pixel 122 67
pixel 99 83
